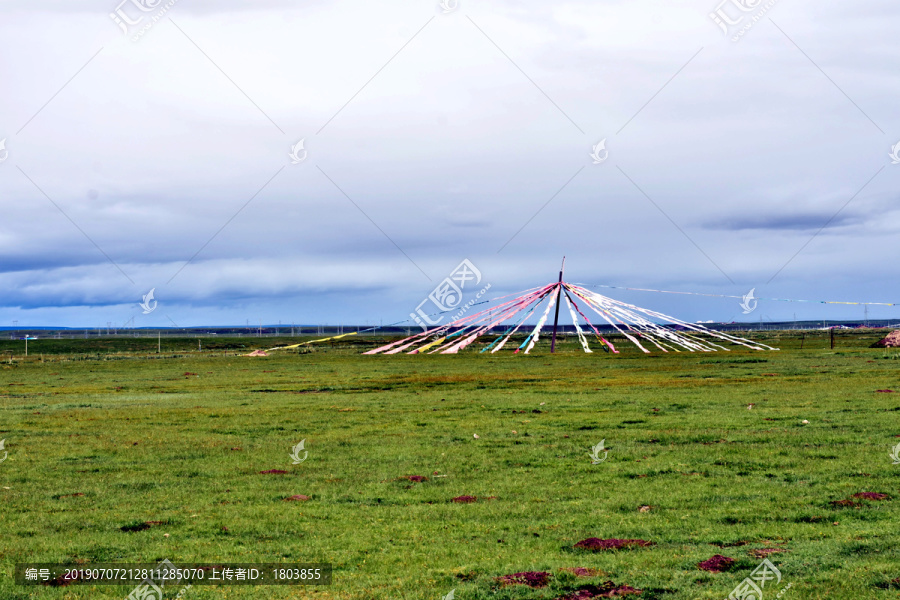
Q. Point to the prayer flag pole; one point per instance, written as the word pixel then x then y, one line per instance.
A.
pixel 633 322
pixel 558 298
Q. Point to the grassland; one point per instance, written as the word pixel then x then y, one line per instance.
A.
pixel 106 434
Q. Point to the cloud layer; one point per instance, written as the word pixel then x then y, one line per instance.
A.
pixel 432 137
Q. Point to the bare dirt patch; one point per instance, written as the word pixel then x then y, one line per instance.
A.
pixel 464 499
pixel 297 498
pixel 716 564
pixel 534 579
pixel 597 544
pixel 871 496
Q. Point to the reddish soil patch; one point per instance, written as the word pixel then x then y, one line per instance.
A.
pixel 415 478
pixel 607 589
pixel 464 499
pixel 69 495
pixel 885 391
pixel 765 552
pixel 845 503
pixel 535 579
pixel 596 544
pixel 583 571
pixel 871 496
pixel 189 374
pixel 297 498
pixel 273 472
pixel 848 503
pixel 716 564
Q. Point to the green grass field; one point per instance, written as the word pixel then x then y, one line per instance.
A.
pixel 106 434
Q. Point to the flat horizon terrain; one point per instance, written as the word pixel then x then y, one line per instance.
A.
pixel 117 454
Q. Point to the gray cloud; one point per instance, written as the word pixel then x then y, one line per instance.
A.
pixel 797 222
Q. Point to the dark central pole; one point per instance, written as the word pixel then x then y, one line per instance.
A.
pixel 558 298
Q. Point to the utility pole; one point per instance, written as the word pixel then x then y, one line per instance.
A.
pixel 558 298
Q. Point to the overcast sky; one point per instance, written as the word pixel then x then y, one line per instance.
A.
pixel 160 158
